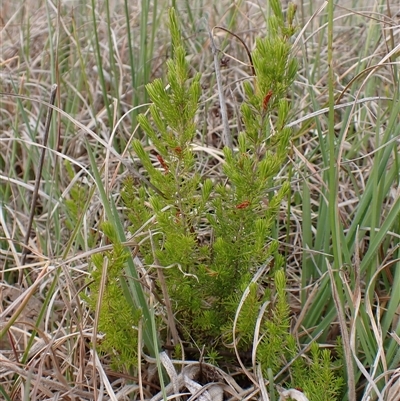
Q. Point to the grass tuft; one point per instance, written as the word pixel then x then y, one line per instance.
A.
pixel 337 226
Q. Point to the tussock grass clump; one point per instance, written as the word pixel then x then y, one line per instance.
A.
pixel 142 235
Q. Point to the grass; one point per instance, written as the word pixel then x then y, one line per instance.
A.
pixel 339 229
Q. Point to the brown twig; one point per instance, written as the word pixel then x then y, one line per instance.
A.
pixel 167 301
pixel 35 194
pixel 253 71
pixel 224 113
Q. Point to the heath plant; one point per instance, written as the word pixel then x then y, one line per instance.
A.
pixel 208 237
pixel 202 239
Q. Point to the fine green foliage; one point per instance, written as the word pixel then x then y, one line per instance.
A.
pixel 78 198
pixel 271 351
pixel 206 274
pixel 117 319
pixel 318 376
pixel 320 379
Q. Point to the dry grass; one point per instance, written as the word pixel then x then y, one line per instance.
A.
pixel 46 353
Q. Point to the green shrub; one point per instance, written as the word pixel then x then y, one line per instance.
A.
pixel 207 237
pixel 206 274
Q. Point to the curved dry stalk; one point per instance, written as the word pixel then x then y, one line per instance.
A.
pixel 222 101
pixel 35 194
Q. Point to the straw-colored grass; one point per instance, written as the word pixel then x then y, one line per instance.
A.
pixel 339 230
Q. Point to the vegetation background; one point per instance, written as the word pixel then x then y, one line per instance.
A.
pixel 338 227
